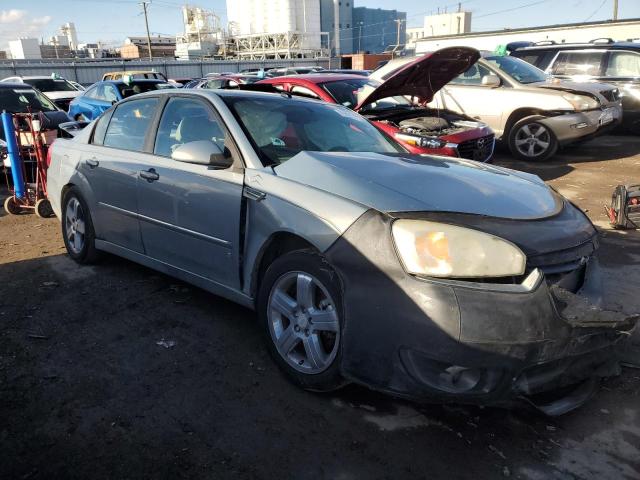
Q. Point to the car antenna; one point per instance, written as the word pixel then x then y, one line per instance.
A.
pixel 286 94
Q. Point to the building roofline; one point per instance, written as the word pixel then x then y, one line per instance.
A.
pixel 557 26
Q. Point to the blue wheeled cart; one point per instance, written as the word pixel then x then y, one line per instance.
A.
pixel 26 143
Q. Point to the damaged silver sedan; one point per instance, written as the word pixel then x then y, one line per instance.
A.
pixel 431 278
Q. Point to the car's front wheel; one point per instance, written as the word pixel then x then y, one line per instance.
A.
pixel 300 309
pixel 531 140
pixel 77 228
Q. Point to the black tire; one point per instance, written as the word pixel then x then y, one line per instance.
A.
pixel 87 254
pixel 518 133
pixel 309 263
pixel 43 208
pixel 11 206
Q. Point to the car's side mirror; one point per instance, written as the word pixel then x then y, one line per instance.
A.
pixel 202 152
pixel 491 81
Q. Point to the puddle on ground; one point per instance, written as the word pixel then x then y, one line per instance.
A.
pixel 390 416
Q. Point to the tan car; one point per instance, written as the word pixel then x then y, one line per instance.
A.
pixel 533 114
pixel 135 74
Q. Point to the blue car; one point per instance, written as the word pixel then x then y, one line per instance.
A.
pixel 101 95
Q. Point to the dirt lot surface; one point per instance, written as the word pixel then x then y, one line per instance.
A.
pixel 115 371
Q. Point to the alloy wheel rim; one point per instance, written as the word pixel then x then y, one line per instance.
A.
pixel 533 139
pixel 303 322
pixel 75 225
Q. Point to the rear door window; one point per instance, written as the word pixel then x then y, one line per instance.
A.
pixel 578 63
pixel 623 64
pixel 129 124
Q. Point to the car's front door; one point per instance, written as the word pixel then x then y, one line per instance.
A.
pixel 110 164
pixel 190 214
pixel 466 94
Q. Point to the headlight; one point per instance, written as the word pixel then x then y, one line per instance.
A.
pixel 581 102
pixel 443 250
pixel 420 141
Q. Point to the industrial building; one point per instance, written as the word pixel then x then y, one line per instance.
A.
pixel 136 47
pixel 361 29
pixel 202 35
pixel 343 30
pixel 628 29
pixel 447 24
pixel 262 29
pixel 25 49
pixel 377 30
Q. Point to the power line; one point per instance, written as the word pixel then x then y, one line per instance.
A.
pixel 595 11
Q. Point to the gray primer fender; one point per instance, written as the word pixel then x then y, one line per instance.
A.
pixel 283 205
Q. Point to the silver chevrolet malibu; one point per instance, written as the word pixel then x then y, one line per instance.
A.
pixel 431 278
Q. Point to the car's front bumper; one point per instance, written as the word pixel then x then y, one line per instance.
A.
pixel 482 343
pixel 575 126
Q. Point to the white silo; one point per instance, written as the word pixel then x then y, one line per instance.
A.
pixel 276 16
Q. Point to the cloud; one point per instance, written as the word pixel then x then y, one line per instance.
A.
pixel 18 23
pixel 12 16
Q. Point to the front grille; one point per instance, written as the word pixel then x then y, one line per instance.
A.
pixel 479 149
pixel 565 267
pixel 611 95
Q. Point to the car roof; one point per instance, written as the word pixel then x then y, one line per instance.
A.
pixel 222 93
pixel 317 77
pixel 581 46
pixel 133 81
pixel 15 85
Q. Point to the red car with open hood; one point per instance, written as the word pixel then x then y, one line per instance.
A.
pixel 398 106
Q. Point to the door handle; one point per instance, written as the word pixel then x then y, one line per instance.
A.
pixel 92 162
pixel 149 175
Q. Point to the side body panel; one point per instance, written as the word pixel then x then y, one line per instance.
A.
pixel 190 217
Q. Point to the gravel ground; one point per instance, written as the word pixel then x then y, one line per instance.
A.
pixel 115 371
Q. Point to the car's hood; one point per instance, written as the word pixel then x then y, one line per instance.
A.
pixel 62 95
pixel 412 183
pixel 573 87
pixel 424 76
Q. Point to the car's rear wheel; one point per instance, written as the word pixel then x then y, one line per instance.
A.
pixel 532 141
pixel 300 309
pixel 77 228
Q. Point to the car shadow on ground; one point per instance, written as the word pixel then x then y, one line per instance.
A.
pixel 600 149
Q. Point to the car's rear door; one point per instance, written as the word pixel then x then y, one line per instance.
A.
pixel 190 214
pixel 111 164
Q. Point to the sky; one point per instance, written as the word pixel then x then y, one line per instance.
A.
pixel 111 21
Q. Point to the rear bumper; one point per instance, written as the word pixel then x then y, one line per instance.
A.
pixel 467 342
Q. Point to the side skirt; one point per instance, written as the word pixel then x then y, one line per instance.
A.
pixel 197 280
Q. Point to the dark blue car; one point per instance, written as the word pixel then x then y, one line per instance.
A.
pixel 101 95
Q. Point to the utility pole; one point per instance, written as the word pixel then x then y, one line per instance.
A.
pixel 146 22
pixel 336 26
pixel 615 10
pixel 399 23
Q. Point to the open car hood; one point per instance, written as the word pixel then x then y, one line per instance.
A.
pixel 424 76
